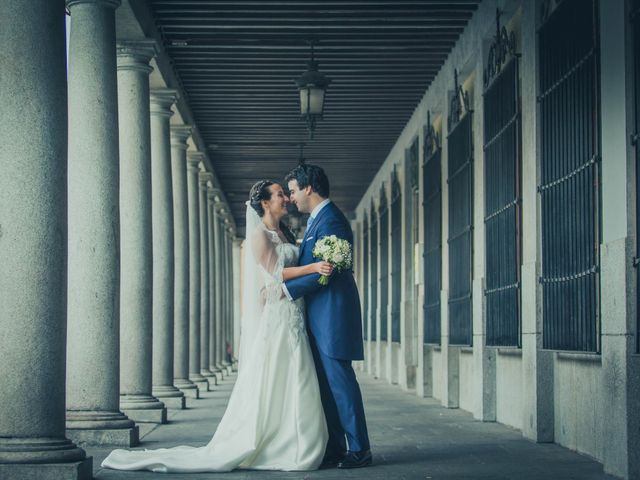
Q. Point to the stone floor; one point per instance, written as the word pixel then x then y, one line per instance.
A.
pixel 412 438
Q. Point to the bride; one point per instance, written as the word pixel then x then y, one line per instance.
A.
pixel 274 419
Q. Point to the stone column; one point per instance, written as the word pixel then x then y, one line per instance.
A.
pixel 93 365
pixel 218 232
pixel 237 288
pixel 212 197
pixel 161 101
pixel 227 294
pixel 193 162
pixel 231 291
pixel 179 136
pixel 205 332
pixel 136 262
pixel 33 218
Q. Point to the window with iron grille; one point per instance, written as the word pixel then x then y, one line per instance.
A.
pixel 412 228
pixel 373 241
pixel 502 177
pixel 432 212
pixel 365 278
pixel 396 256
pixel 635 20
pixel 384 264
pixel 569 186
pixel 460 180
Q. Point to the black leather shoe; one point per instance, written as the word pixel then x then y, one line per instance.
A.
pixel 330 461
pixel 356 459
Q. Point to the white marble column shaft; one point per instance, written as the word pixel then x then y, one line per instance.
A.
pixel 205 332
pixel 136 262
pixel 232 293
pixel 219 271
pixel 193 162
pixel 227 292
pixel 179 136
pixel 161 101
pixel 230 306
pixel 93 363
pixel 212 198
pixel 33 236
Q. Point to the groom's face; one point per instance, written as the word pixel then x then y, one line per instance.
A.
pixel 299 197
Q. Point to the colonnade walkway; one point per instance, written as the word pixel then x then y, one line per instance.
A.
pixel 412 438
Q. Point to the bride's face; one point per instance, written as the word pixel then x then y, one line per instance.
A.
pixel 277 204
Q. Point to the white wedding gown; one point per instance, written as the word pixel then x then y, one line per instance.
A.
pixel 274 419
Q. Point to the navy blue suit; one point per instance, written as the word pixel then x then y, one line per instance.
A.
pixel 335 334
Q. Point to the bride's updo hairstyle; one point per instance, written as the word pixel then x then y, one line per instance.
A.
pixel 259 192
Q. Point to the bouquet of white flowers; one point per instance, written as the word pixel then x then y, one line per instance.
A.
pixel 334 250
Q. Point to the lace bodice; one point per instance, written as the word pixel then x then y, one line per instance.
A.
pixel 289 254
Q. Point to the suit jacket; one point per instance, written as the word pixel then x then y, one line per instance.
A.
pixel 333 311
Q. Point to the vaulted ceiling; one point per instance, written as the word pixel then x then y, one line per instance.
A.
pixel 237 61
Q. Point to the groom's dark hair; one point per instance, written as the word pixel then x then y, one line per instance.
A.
pixel 310 175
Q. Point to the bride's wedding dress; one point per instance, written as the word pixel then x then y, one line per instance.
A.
pixel 274 419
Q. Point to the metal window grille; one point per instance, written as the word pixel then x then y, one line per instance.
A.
pixel 432 219
pixel 570 175
pixel 365 278
pixel 396 257
pixel 460 180
pixel 503 211
pixel 413 230
pixel 373 240
pixel 635 20
pixel 384 264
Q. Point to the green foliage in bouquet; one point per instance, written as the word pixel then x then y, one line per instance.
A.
pixel 336 251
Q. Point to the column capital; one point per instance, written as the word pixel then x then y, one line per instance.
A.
pixel 194 159
pixel 214 194
pixel 204 178
pixel 103 3
pixel 161 101
pixel 220 209
pixel 179 135
pixel 136 54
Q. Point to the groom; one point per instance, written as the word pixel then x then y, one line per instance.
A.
pixel 334 322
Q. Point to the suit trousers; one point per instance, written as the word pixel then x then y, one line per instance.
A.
pixel 342 403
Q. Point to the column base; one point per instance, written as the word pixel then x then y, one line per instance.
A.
pixel 95 428
pixel 203 385
pixel 175 403
pixel 187 387
pixel 210 376
pixel 34 450
pixel 218 374
pixel 170 396
pixel 191 392
pixel 143 408
pixel 150 415
pixel 121 437
pixel 81 470
pixel 200 381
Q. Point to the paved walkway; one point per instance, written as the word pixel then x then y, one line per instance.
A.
pixel 412 438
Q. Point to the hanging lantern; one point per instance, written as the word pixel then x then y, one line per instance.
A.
pixel 312 87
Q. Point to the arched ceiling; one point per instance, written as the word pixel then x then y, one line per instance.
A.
pixel 237 61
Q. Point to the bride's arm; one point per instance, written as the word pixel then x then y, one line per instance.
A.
pixel 323 268
pixel 266 255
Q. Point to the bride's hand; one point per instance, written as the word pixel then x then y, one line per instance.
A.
pixel 323 268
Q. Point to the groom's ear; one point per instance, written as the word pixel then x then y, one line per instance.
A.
pixel 308 190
